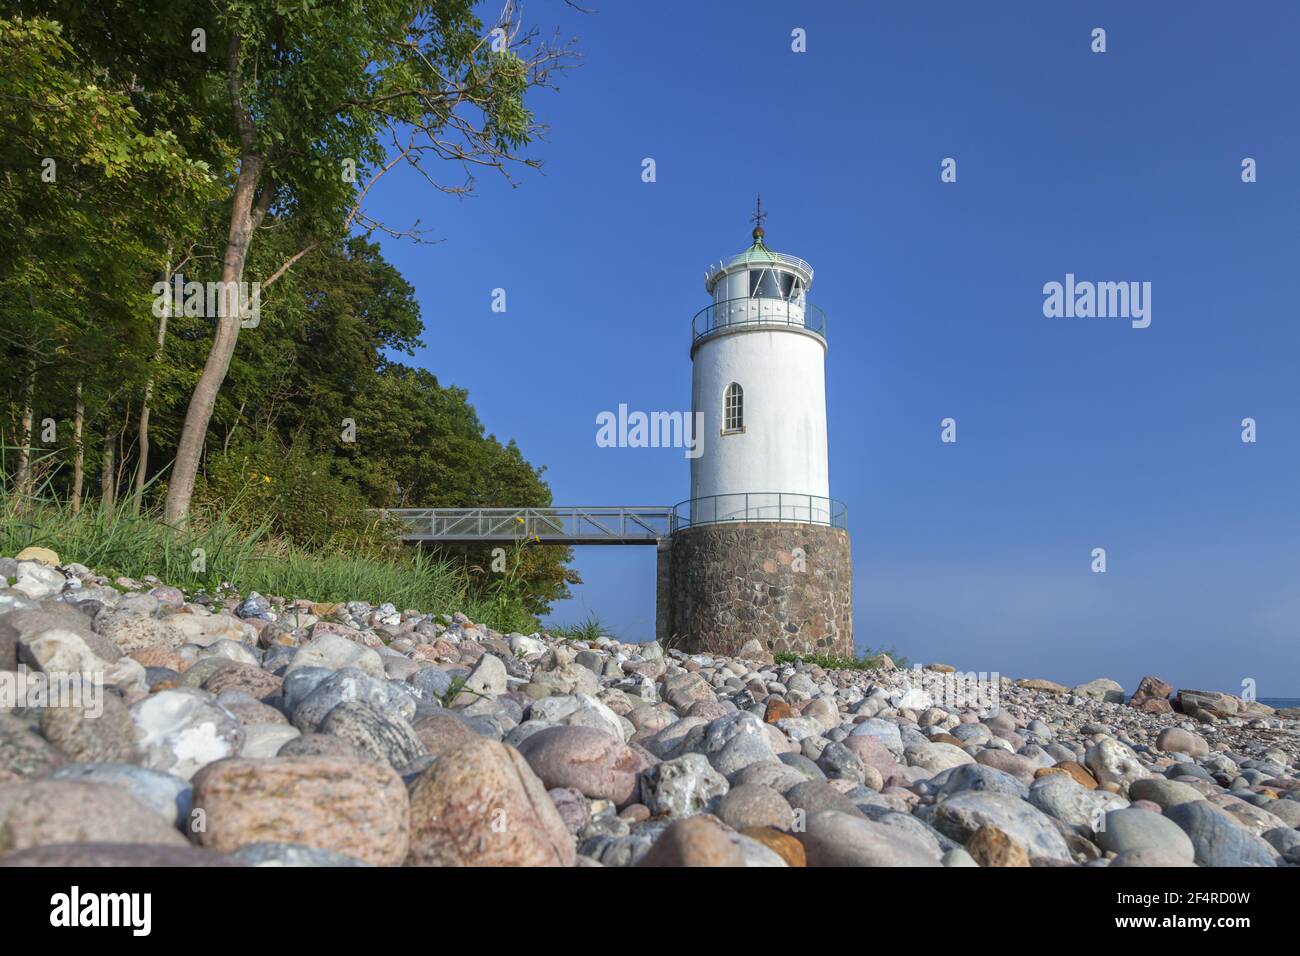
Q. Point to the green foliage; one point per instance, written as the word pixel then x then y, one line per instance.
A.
pixel 87 190
pixel 588 629
pixel 149 137
pixel 251 560
pixel 870 660
pixel 296 494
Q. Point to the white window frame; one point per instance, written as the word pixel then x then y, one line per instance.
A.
pixel 733 409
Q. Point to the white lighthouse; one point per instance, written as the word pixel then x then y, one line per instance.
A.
pixel 758 356
pixel 760 551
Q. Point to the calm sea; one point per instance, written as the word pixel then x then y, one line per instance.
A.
pixel 1281 701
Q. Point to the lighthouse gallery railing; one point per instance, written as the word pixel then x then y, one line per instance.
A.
pixel 757 311
pixel 761 506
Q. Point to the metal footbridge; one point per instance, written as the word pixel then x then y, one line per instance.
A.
pixel 615 524
pixel 577 525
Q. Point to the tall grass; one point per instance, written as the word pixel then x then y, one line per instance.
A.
pixel 588 629
pixel 214 549
pixel 502 600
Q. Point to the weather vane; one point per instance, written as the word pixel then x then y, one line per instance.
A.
pixel 758 217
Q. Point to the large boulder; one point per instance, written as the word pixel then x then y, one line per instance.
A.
pixel 1218 838
pixel 591 761
pixel 1103 689
pixel 356 808
pixel 1212 702
pixel 1152 696
pixel 963 813
pixel 182 730
pixel 1132 828
pixel 480 804
pixel 334 653
pixel 47 812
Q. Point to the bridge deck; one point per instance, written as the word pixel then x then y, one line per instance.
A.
pixel 574 525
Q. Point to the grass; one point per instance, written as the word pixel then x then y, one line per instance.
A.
pixel 832 662
pixel 214 550
pixel 588 629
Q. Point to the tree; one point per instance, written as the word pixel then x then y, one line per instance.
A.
pixel 85 183
pixel 318 93
pixel 153 170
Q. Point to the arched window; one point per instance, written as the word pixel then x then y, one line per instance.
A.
pixel 733 409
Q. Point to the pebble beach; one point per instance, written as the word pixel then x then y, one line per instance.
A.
pixel 232 729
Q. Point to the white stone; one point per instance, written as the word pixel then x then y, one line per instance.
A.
pixel 336 652
pixel 37 581
pixel 183 730
pixel 60 651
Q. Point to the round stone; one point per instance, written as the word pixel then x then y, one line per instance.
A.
pixel 840 839
pixel 683 786
pixel 47 812
pixel 753 805
pixel 989 846
pixel 1218 839
pixel 357 808
pixel 482 805
pixel 588 760
pixel 1135 829
pixel 693 841
pixel 101 733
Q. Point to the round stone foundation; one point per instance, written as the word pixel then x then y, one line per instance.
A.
pixel 788 586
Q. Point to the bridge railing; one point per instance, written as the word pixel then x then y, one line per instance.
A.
pixel 619 524
pixel 629 524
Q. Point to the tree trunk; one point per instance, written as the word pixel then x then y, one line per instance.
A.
pixel 108 476
pixel 23 479
pixel 143 467
pixel 244 218
pixel 119 479
pixel 78 453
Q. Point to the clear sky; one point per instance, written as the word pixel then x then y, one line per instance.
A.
pixel 1072 433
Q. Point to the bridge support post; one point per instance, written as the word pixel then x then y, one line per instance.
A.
pixel 664 591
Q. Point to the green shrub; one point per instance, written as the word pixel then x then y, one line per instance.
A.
pixel 296 494
pixel 832 662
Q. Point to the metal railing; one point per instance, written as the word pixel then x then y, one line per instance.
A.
pixel 573 525
pixel 757 311
pixel 718 268
pixel 761 506
pixel 619 524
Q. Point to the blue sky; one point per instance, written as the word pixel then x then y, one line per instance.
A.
pixel 1073 434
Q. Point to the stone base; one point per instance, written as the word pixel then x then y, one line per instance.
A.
pixel 788 586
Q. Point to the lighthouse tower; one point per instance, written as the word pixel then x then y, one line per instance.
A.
pixel 760 551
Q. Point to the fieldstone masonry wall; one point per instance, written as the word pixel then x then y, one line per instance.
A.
pixel 789 586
